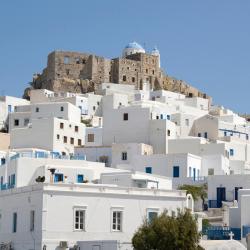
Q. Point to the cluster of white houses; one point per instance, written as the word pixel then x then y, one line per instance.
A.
pixel 84 167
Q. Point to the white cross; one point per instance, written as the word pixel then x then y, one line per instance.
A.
pixel 231 235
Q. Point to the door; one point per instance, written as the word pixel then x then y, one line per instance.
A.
pixel 236 190
pixel 221 196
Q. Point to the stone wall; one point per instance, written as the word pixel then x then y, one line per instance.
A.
pixel 82 72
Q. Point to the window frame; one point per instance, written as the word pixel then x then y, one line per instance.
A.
pixel 117 210
pixel 75 209
pixel 124 156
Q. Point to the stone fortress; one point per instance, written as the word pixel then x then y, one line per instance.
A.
pixel 82 72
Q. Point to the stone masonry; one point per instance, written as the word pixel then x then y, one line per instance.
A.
pixel 82 72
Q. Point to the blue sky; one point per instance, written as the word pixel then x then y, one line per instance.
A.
pixel 206 43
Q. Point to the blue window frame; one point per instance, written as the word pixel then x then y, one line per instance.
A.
pixel 176 171
pixel 148 170
pixel 14 223
pixel 58 177
pixel 231 152
pixel 205 134
pixel 80 178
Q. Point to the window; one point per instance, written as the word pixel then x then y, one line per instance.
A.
pixel 199 134
pixel 168 117
pixel 125 116
pixel 9 109
pixel 58 178
pixel 37 109
pixel 124 78
pixel 146 70
pixel 3 160
pixel 26 121
pixel 153 72
pixel 66 60
pixel 79 219
pixel 210 171
pixel 187 122
pixel 117 220
pixel 152 214
pixel 176 171
pixel 32 220
pixel 61 125
pixel 169 132
pixel 57 137
pixel 13 180
pixel 76 128
pixel 133 79
pixel 79 142
pixel 148 170
pixel 91 137
pixel 124 156
pixel 80 178
pixel 231 152
pixel 16 122
pixel 225 133
pixel 205 134
pixel 14 223
pixel 94 108
pixel 98 103
pixel 62 108
pixel 72 141
pixel 65 139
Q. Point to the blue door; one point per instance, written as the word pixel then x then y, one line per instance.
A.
pixel 176 171
pixel 58 178
pixel 236 190
pixel 221 196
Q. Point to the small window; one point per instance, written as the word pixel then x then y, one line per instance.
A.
pixel 14 223
pixel 79 219
pixel 61 125
pixel 133 79
pixel 62 109
pixel 9 108
pixel 65 139
pixel 187 122
pixel 98 103
pixel 16 122
pixel 26 121
pixel 151 215
pixel 72 141
pixel 80 178
pixel 124 78
pixel 176 171
pixel 32 220
pixel 91 137
pixel 146 70
pixel 79 142
pixel 125 116
pixel 37 109
pixel 76 128
pixel 58 178
pixel 58 137
pixel 168 117
pixel 153 72
pixel 124 156
pixel 169 133
pixel 205 135
pixel 66 60
pixel 148 170
pixel 231 152
pixel 117 220
pixel 199 134
pixel 94 108
pixel 210 171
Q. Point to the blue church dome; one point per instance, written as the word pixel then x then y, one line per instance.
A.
pixel 134 45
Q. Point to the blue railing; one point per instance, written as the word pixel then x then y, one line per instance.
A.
pixel 221 233
pixel 51 155
pixel 7 186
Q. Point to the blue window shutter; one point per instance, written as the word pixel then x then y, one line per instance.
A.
pixel 148 170
pixel 231 152
pixel 80 178
pixel 176 171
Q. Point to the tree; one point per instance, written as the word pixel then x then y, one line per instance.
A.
pixel 166 232
pixel 196 192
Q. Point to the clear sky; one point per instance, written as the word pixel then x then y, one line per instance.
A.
pixel 206 43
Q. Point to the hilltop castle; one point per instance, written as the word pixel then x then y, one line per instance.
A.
pixel 82 72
